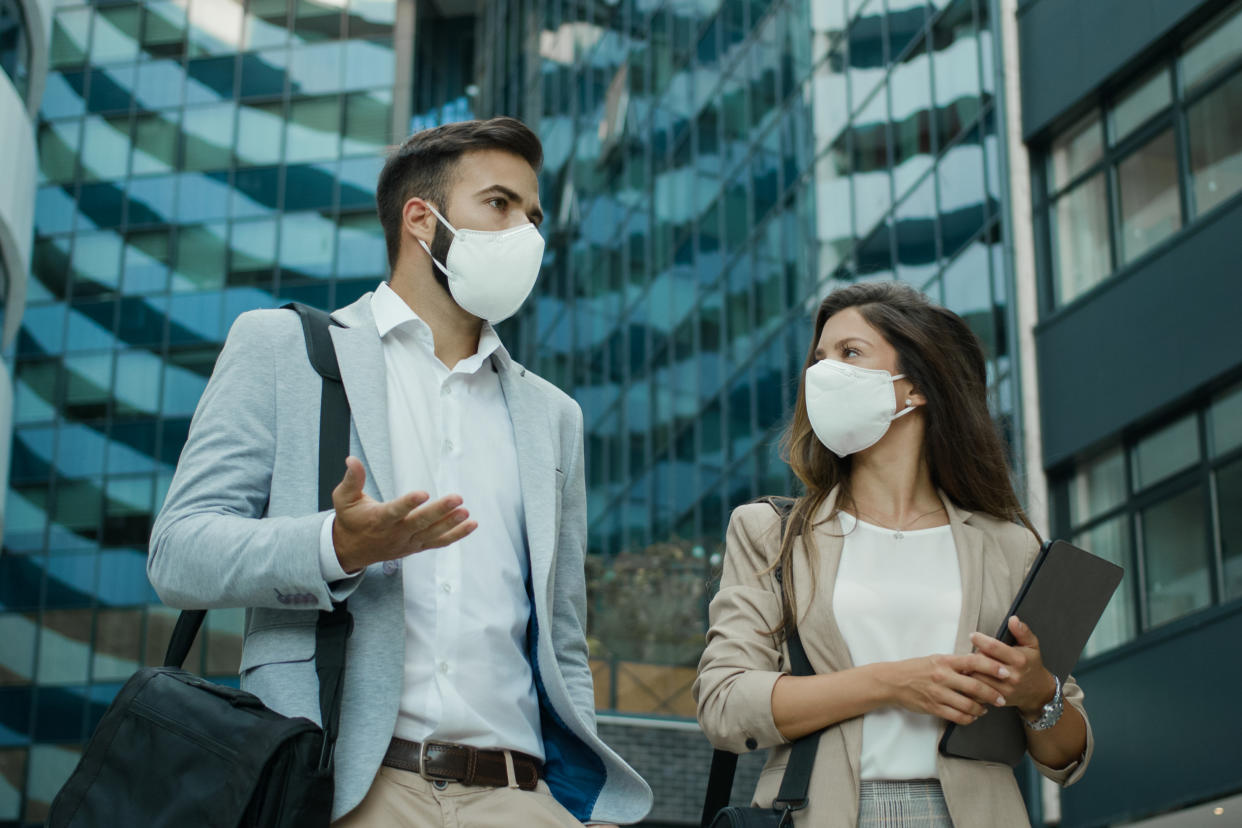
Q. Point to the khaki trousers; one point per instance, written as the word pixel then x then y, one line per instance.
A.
pixel 403 799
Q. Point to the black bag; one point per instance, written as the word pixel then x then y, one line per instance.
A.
pixel 792 796
pixel 175 750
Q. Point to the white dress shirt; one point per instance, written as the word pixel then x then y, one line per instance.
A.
pixel 467 676
pixel 898 595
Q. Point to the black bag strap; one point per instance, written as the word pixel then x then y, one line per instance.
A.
pixel 334 627
pixel 797 779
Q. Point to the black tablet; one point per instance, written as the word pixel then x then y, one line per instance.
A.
pixel 1062 599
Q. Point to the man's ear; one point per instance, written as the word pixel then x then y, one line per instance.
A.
pixel 418 220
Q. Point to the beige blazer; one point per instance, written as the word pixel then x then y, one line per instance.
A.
pixel 741 663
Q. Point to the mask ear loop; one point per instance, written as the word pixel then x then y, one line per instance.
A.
pixel 434 260
pixel 909 406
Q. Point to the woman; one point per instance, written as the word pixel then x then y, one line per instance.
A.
pixel 903 554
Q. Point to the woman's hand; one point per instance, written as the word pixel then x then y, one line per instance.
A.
pixel 949 686
pixel 1028 685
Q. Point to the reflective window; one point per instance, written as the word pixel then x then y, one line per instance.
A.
pixel 1166 452
pixel 1110 540
pixel 1075 151
pixel 155 144
pixel 1080 234
pixel 200 259
pixel 146 259
pixel 252 247
pixel 15 46
pixel 1226 419
pixel 1175 557
pixel 163 28
pixel 1229 511
pixel 1215 131
pixel 259 133
pixel 206 137
pixel 1097 486
pixel 115 36
pixel 313 129
pixel 1151 208
pixel 1220 45
pixel 70 36
pixel 1135 107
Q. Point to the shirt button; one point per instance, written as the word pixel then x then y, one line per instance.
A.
pixel 447 587
pixel 751 744
pixel 445 390
pixel 448 445
pixel 444 667
pixel 391 567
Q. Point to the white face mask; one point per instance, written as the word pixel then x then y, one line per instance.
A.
pixel 491 272
pixel 850 408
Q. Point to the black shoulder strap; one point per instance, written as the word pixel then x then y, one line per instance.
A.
pixel 797 780
pixel 333 627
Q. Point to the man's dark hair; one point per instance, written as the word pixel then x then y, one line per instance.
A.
pixel 423 166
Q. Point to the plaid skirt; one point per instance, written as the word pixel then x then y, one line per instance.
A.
pixel 914 804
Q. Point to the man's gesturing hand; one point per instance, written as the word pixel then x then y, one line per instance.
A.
pixel 366 531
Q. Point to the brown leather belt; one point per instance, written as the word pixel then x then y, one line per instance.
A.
pixel 448 762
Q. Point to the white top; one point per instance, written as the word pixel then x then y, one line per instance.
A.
pixel 467 676
pixel 898 595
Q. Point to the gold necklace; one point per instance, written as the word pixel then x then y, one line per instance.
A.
pixel 900 532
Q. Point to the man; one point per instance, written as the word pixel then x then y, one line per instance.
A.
pixel 458 529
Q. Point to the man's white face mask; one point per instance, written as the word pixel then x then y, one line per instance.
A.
pixel 490 272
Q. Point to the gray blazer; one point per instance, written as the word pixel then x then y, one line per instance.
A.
pixel 239 528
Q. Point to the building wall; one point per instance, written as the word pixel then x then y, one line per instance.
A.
pixel 1137 185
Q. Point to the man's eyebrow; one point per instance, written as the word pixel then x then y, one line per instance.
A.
pixel 512 196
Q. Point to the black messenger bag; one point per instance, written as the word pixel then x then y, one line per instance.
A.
pixel 174 750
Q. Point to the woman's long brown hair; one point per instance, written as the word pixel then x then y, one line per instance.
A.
pixel 963 450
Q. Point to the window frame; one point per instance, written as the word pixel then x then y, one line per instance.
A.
pixel 1202 474
pixel 1174 115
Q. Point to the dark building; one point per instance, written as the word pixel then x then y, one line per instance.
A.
pixel 1132 112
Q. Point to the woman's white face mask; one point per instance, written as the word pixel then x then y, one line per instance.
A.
pixel 850 408
pixel 491 272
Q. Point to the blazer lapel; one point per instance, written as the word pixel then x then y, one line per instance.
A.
pixel 361 358
pixel 969 542
pixel 536 475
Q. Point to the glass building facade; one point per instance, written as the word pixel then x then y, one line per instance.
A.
pixel 712 170
pixel 196 159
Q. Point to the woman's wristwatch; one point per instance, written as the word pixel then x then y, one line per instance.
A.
pixel 1051 712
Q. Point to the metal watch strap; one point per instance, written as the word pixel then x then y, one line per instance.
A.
pixel 1051 713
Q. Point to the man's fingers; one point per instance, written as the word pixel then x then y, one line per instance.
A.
pixel 400 508
pixel 452 535
pixel 420 519
pixel 350 487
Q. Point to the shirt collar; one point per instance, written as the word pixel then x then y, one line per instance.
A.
pixel 391 312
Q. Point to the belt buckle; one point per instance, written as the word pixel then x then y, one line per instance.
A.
pixel 422 762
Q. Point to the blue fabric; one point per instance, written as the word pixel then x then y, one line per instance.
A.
pixel 575 774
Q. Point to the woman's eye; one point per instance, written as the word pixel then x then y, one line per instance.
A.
pixel 850 352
